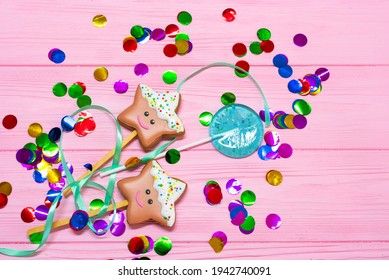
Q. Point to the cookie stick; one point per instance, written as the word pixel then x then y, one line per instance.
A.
pixel 104 160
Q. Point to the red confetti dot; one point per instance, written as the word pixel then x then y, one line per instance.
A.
pixel 130 44
pixel 89 125
pixel 171 30
pixel 214 196
pixel 136 245
pixel 244 65
pixel 48 203
pixel 306 87
pixel 10 121
pixel 3 200
pixel 170 50
pixel 229 14
pixel 267 46
pixel 28 215
pixel 239 49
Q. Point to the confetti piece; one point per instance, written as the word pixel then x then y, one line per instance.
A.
pixel 88 166
pixel 228 98
pixel 272 138
pixel 57 56
pixel 295 86
pixel 75 91
pixel 10 121
pixel 120 86
pixel 5 188
pixel 137 31
pixel 170 50
pixel 99 21
pixel 280 60
pixel 248 198
pixel 255 48
pixel 264 34
pixel 233 186
pixel 274 177
pixel 300 40
pixel 184 18
pixel 130 44
pixel 273 221
pixel 83 101
pixel 216 244
pixel 55 134
pixel 301 107
pixel 59 89
pixel 118 229
pixel 141 69
pixel 286 71
pixel 172 156
pixel 248 226
pixel 238 215
pixel 34 130
pixel 267 46
pixel 100 74
pixel 262 114
pixel 172 30
pixel 169 77
pixel 79 220
pixel 158 34
pixel 41 212
pixel 323 74
pixel 96 204
pixel 68 123
pixel 229 14
pixel 162 246
pixel 36 238
pixel 205 118
pixel 245 66
pixel 3 200
pixel 239 49
pixel 28 215
pixel 100 226
pixel 233 204
pixel 285 150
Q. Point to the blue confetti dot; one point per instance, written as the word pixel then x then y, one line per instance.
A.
pixel 57 56
pixel 285 72
pixel 295 86
pixel 280 60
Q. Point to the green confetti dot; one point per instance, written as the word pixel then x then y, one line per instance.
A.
pixel 205 118
pixel 42 140
pixel 96 204
pixel 60 89
pixel 75 91
pixel 31 146
pixel 301 107
pixel 241 74
pixel 83 101
pixel 228 98
pixel 169 77
pixel 248 198
pixel 182 36
pixel 264 34
pixel 163 246
pixel 184 18
pixel 137 31
pixel 172 156
pixel 36 238
pixel 248 224
pixel 255 48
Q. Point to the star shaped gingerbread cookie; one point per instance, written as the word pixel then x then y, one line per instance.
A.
pixel 151 195
pixel 153 115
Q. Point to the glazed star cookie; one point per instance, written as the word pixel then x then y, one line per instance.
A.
pixel 153 115
pixel 151 195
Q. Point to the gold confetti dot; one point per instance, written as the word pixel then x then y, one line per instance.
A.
pixel 34 130
pixel 99 21
pixel 274 177
pixel 101 74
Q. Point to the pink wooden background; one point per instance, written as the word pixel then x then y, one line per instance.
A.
pixel 334 198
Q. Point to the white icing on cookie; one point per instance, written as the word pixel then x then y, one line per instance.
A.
pixel 169 190
pixel 165 103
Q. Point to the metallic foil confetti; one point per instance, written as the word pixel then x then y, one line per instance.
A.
pixel 145 37
pixel 10 121
pixel 68 123
pixel 70 167
pixel 229 14
pixel 162 246
pixel 273 221
pixel 120 86
pixel 182 36
pixel 99 21
pixel 295 86
pixel 55 134
pixel 75 90
pixel 300 121
pixel 118 218
pixel 248 198
pixel 57 56
pixel 170 50
pixel 205 118
pixel 169 77
pixel 41 212
pixel 158 34
pixel 54 176
pixel 274 177
pixel 280 60
pixel 60 89
pixel 58 186
pixel 36 238
pixel 100 226
pixel 79 220
pixel 172 156
pixel 83 101
pixel 243 65
pixel 118 229
pixel 141 69
pixel 82 85
pixel 301 107
pixel 272 138
pixel 136 245
pixel 5 188
pixel 28 215
pixel 100 74
pixel 323 74
pixel 267 46
pixel 255 48
pixel 248 226
pixel 221 235
pixel 285 150
pixel 262 114
pixel 88 166
pixel 233 186
pixel 182 47
pixel 137 31
pixel 238 215
pixel 300 40
pixel 3 200
pixel 96 204
pixel 239 49
pixel 52 195
pixel 42 140
pixel 217 244
pixel 264 34
pixel 212 192
pixel 184 18
pixel 130 44
pixel 233 204
pixel 228 98
pixel 172 30
pixel 34 130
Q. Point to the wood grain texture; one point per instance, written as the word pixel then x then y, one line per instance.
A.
pixel 334 198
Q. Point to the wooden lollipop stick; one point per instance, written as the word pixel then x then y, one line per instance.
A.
pixel 104 160
pixel 65 221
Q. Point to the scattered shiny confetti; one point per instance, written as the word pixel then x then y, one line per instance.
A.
pixel 295 86
pixel 272 138
pixel 130 44
pixel 300 40
pixel 238 215
pixel 10 121
pixel 267 46
pixel 162 246
pixel 96 204
pixel 79 220
pixel 280 60
pixel 239 49
pixel 141 69
pixel 182 47
pixel 119 217
pixel 233 204
pixel 172 30
pixel 243 65
pixel 5 188
pixel 248 198
pixel 100 74
pixel 233 186
pixel 75 90
pixel 285 150
pixel 70 167
pixel 82 85
pixel 213 193
pixel 228 98
pixel 99 21
pixel 36 238
pixel 182 36
pixel 55 134
pixel 52 195
pixel 184 18
pixel 216 244
pixel 41 212
pixel 88 166
pixel 273 221
pixel 264 34
pixel 248 226
pixel 136 245
pixel 120 86
pixel 145 37
pixel 255 48
pixel 158 34
pixel 60 89
pixel 221 235
pixel 137 31
pixel 170 50
pixel 118 229
pixel 301 107
pixel 274 177
pixel 83 101
pixel 58 186
pixel 172 156
pixel 68 123
pixel 34 130
pixel 229 14
pixel 262 114
pixel 323 74
pixel 205 118
pixel 28 215
pixel 3 200
pixel 169 77
pixel 57 56
pixel 42 140
pixel 100 227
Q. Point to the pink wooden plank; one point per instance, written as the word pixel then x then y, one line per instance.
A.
pixel 333 27
pixel 344 115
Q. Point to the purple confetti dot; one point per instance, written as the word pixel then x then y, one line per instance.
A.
pixel 118 229
pixel 285 150
pixel 273 221
pixel 70 167
pixel 233 186
pixel 120 86
pixel 41 212
pixel 57 186
pixel 238 215
pixel 141 69
pixel 323 74
pixel 262 114
pixel 100 226
pixel 300 121
pixel 300 40
pixel 233 204
pixel 118 218
pixel 221 235
pixel 158 34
